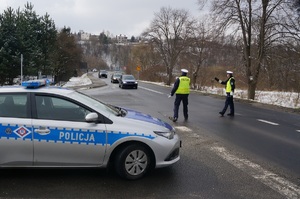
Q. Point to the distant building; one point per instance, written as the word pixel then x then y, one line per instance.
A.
pixel 84 36
pixel 121 39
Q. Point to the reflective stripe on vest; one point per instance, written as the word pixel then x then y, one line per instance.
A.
pixel 184 85
pixel 228 86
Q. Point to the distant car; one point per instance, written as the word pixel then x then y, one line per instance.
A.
pixel 128 81
pixel 102 73
pixel 94 70
pixel 115 77
pixel 44 126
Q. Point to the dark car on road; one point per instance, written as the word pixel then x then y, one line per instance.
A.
pixel 102 73
pixel 115 77
pixel 128 81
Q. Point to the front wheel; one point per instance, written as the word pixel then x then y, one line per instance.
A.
pixel 133 162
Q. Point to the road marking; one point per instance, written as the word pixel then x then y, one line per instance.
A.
pixel 268 122
pixel 275 182
pixel 188 130
pixel 183 128
pixel 154 91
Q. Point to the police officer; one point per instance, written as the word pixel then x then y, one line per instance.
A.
pixel 182 89
pixel 229 87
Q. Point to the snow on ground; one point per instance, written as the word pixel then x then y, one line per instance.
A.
pixel 78 81
pixel 284 99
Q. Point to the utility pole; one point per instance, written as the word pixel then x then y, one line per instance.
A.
pixel 21 68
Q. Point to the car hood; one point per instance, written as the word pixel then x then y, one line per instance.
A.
pixel 131 114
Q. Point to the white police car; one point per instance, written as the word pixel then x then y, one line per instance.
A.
pixel 58 127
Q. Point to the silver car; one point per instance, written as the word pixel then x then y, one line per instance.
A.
pixel 45 126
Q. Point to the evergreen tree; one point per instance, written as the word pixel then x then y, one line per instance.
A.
pixel 9 52
pixel 67 57
pixel 24 32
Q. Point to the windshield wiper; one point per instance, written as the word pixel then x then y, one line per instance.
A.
pixel 120 112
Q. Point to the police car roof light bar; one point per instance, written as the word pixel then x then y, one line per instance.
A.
pixel 34 83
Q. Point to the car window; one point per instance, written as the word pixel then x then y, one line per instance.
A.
pixel 54 108
pixel 128 77
pixel 13 105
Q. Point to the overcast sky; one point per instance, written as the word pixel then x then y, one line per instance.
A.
pixel 126 17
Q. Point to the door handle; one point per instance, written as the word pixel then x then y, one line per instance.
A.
pixel 42 131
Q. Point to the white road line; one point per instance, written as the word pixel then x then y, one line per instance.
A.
pixel 154 91
pixel 275 182
pixel 183 128
pixel 187 130
pixel 268 122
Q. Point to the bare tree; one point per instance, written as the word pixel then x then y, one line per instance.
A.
pixel 199 49
pixel 144 56
pixel 259 24
pixel 169 32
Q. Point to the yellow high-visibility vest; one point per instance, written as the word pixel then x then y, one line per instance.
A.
pixel 184 85
pixel 228 86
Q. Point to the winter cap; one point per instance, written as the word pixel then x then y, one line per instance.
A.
pixel 184 70
pixel 229 72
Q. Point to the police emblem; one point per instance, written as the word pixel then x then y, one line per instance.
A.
pixel 22 131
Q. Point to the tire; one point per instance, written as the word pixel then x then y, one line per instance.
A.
pixel 133 162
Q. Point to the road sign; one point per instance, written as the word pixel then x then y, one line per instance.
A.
pixel 138 68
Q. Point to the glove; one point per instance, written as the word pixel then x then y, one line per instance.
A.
pixel 216 79
pixel 169 95
pixel 231 94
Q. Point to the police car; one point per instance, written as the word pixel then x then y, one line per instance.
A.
pixel 43 126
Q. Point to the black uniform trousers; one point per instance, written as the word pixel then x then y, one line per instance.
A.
pixel 229 102
pixel 185 101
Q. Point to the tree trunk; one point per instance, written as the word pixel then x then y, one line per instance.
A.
pixel 169 76
pixel 251 90
pixel 169 79
pixel 194 80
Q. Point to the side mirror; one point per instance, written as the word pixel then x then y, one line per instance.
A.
pixel 91 117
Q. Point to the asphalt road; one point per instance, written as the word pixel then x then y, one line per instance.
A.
pixel 253 155
pixel 262 136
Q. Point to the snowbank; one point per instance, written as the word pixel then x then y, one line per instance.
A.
pixel 78 81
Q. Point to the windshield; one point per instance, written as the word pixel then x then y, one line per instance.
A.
pixel 128 77
pixel 95 103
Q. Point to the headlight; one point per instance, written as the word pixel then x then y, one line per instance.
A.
pixel 169 135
